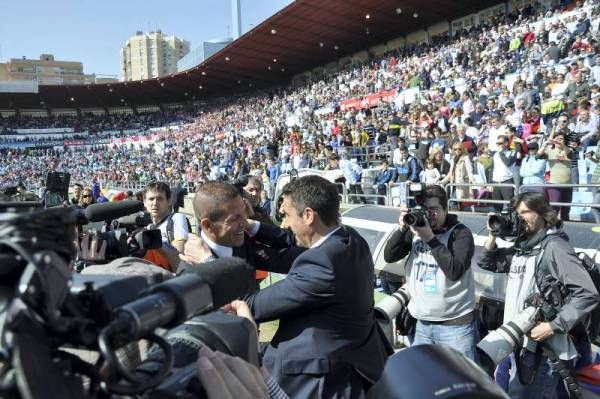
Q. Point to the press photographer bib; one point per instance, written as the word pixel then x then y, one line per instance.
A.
pixel 434 297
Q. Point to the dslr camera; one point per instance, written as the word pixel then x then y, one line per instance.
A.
pixel 506 225
pixel 416 215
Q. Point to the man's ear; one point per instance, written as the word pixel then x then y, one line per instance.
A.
pixel 309 216
pixel 205 224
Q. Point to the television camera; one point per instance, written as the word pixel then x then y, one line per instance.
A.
pixel 122 227
pixel 47 313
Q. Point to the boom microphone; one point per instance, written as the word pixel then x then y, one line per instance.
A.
pixel 169 304
pixel 112 210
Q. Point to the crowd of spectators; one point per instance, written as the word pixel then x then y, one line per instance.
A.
pixel 515 100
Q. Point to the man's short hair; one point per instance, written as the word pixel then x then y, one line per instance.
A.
pixel 436 191
pixel 210 197
pixel 78 185
pixel 316 193
pixel 159 187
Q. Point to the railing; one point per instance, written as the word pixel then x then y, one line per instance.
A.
pixel 471 199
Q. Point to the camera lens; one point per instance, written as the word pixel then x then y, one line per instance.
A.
pixel 410 219
pixel 495 223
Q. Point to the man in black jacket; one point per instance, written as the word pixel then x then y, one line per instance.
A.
pixel 439 278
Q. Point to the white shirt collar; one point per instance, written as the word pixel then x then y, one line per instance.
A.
pixel 220 250
pixel 322 239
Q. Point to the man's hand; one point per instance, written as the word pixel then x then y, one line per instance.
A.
pixel 248 207
pixel 91 249
pixel 423 232
pixel 541 331
pixel 239 308
pixel 403 212
pixel 228 377
pixel 195 250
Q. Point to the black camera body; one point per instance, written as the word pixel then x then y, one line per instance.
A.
pixel 127 236
pixel 506 225
pixel 415 217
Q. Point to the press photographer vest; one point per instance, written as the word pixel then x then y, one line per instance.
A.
pixel 521 284
pixel 433 296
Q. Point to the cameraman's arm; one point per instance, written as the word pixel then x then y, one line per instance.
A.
pixel 494 259
pixel 398 245
pixel 582 292
pixel 455 259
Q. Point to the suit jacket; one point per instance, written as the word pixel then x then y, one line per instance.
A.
pixel 328 343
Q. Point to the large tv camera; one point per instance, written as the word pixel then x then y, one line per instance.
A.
pixel 123 228
pixel 47 313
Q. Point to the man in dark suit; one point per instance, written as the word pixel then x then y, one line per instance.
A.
pixel 328 343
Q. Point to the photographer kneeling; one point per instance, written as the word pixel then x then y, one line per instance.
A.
pixel 541 260
pixel 439 278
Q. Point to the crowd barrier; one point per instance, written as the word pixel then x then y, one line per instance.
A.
pixel 397 193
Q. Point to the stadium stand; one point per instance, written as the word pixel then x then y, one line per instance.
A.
pixel 509 78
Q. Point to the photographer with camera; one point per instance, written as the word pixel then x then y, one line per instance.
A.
pixel 541 260
pixel 438 272
pixel 174 227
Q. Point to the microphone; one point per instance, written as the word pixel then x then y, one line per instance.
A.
pixel 112 210
pixel 172 302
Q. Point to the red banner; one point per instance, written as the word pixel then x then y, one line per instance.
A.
pixel 369 101
pixel 70 143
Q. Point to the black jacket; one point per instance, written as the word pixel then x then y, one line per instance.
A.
pixel 328 343
pixel 453 260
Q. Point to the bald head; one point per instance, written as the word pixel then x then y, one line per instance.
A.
pixel 210 198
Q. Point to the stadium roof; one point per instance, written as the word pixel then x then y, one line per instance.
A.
pixel 304 35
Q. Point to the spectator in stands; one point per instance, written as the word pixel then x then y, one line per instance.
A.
pixel 467 142
pixel 497 129
pixel 461 172
pixel 384 176
pixel 586 128
pixel 502 171
pixel 440 163
pixel 407 168
pixel 559 161
pixel 533 169
pixel 430 175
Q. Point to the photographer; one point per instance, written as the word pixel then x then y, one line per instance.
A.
pixel 438 273
pixel 174 227
pixel 533 266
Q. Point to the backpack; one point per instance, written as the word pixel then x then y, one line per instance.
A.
pixel 171 228
pixel 591 324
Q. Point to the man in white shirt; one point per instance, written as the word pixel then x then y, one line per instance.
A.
pixel 174 227
pixel 502 172
pixel 497 129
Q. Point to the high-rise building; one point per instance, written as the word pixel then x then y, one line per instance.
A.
pixel 151 55
pixel 45 71
pixel 202 53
